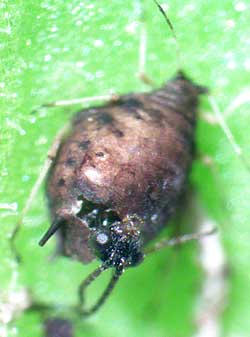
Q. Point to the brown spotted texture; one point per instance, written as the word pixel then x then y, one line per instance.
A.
pixel 132 155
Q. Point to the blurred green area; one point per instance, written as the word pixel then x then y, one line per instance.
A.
pixel 55 49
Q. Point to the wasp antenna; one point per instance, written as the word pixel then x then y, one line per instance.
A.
pixel 97 272
pixel 180 240
pixel 166 18
pixel 51 231
pixel 171 27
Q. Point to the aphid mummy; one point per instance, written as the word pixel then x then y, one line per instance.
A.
pixel 120 172
pixel 135 162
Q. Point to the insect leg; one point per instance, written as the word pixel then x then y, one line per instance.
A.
pixel 238 101
pixel 113 281
pixel 51 154
pixel 82 100
pixel 226 130
pixel 142 52
pixel 179 240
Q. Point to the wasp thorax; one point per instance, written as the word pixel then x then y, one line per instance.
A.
pixel 118 245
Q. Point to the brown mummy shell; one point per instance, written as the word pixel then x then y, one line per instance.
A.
pixel 132 156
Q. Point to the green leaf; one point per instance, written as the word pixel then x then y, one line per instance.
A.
pixel 53 50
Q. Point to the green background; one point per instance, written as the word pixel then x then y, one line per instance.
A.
pixel 65 49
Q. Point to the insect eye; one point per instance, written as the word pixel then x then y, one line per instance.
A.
pixel 102 238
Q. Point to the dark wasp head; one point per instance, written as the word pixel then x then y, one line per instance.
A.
pixel 114 241
pixel 118 245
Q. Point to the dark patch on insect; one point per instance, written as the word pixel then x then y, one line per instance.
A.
pixel 157 116
pixel 58 327
pixel 70 162
pixel 84 144
pixel 61 182
pixel 117 132
pixel 133 106
pixel 104 119
pixel 99 154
